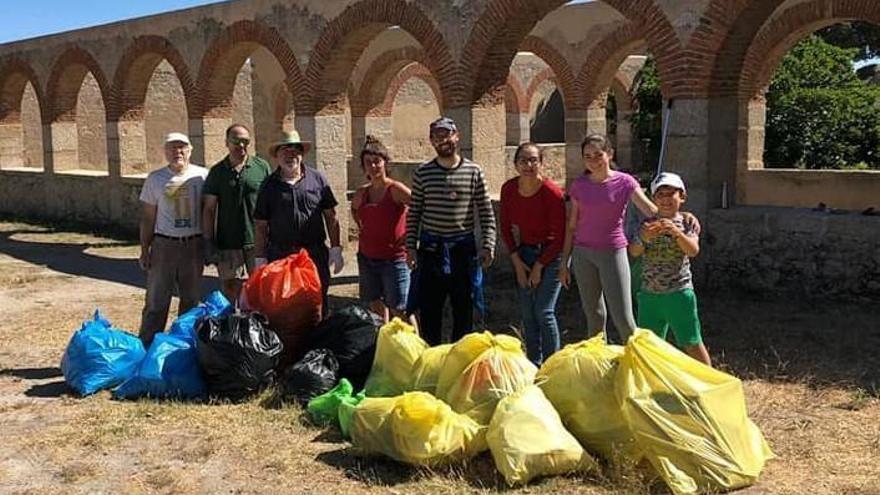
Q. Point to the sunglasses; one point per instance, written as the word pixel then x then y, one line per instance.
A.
pixel 239 141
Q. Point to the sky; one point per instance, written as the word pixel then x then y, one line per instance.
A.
pixel 24 19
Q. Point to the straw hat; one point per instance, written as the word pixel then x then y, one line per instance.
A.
pixel 289 138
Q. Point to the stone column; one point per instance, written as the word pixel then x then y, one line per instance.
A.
pixel 208 137
pixel 576 124
pixel 687 154
pixel 518 128
pixel 63 146
pixel 483 134
pixel 11 145
pixel 329 154
pixel 127 148
pixel 624 151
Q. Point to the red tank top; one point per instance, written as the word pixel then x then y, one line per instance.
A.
pixel 383 228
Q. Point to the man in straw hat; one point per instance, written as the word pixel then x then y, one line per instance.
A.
pixel 171 235
pixel 294 206
pixel 230 196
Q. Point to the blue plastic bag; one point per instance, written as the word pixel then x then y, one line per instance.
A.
pixel 170 368
pixel 215 305
pixel 99 356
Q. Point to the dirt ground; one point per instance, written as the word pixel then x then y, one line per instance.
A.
pixel 810 371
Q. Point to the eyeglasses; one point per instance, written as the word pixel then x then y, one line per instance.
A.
pixel 532 160
pixel 237 141
pixel 593 156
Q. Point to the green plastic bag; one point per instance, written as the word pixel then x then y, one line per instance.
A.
pixel 346 410
pixel 323 409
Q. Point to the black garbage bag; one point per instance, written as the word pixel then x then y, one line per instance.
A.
pixel 351 334
pixel 312 376
pixel 238 354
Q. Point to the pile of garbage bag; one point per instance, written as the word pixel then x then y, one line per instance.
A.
pixel 643 402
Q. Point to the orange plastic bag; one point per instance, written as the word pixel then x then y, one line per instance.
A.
pixel 288 292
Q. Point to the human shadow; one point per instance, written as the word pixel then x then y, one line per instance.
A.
pixel 51 390
pixel 72 259
pixel 32 373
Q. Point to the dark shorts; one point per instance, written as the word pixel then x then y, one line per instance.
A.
pixel 383 280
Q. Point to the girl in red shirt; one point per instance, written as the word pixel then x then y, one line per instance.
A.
pixel 533 228
pixel 379 208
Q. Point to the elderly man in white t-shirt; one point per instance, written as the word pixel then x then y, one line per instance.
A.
pixel 171 235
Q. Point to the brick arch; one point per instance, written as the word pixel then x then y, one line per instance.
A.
pixel 503 25
pixel 778 36
pixel 15 74
pixel 602 64
pixel 344 39
pixel 65 81
pixel 562 73
pixel 136 68
pixel 515 96
pixel 225 56
pixel 413 70
pixel 621 88
pixel 545 75
pixel 374 87
pixel 729 30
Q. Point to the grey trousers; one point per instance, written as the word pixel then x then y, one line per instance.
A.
pixel 604 272
pixel 172 264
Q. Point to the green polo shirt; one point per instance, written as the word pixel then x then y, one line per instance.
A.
pixel 236 198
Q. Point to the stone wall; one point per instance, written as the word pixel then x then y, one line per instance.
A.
pixel 32 129
pixel 91 126
pixel 164 112
pixel 414 109
pixel 789 252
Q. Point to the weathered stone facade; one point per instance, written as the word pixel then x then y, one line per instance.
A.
pixel 82 113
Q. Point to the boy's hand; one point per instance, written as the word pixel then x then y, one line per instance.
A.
pixel 667 226
pixel 650 230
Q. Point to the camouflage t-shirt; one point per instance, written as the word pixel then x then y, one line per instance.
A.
pixel 665 267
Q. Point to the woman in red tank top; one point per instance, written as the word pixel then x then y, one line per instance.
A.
pixel 379 208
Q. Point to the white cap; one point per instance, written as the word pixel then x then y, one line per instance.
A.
pixel 177 137
pixel 667 179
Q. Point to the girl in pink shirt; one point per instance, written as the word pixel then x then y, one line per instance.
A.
pixel 594 239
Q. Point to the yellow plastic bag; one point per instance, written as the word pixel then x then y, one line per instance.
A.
pixel 496 373
pixel 527 439
pixel 689 420
pixel 465 351
pixel 579 382
pixel 398 346
pixel 416 428
pixel 426 370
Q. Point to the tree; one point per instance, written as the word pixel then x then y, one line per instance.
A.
pixel 647 114
pixel 819 113
pixel 862 36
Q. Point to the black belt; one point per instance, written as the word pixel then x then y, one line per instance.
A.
pixel 178 239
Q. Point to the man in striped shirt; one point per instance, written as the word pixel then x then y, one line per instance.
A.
pixel 449 197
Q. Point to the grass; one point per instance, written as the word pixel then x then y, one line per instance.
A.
pixel 810 373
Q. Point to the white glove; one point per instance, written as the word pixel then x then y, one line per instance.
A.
pixel 336 261
pixel 258 262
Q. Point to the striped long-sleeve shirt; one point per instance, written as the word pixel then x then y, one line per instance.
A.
pixel 446 202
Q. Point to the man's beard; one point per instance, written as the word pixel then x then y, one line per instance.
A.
pixel 445 150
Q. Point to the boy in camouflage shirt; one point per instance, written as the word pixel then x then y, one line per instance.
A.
pixel 666 243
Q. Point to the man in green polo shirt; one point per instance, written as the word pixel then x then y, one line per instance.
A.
pixel 230 195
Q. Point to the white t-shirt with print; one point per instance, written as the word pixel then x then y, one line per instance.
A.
pixel 178 198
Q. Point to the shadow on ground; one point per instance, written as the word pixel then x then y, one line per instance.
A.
pixel 32 373
pixel 71 259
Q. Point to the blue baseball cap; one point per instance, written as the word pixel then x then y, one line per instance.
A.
pixel 444 123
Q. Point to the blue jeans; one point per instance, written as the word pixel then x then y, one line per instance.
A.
pixel 538 307
pixel 385 280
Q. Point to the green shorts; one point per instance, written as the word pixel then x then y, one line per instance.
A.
pixel 658 312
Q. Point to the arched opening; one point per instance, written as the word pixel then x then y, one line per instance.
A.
pixel 807 130
pixel 414 106
pixel 250 76
pixel 164 112
pixel 77 114
pixel 21 130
